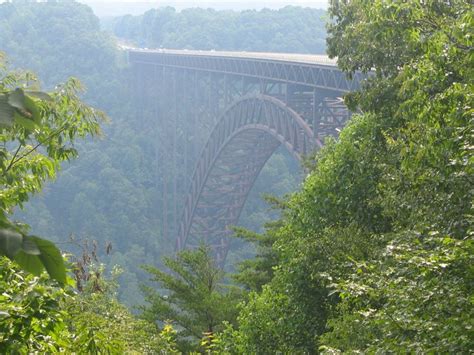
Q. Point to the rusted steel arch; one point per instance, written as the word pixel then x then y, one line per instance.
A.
pixel 246 135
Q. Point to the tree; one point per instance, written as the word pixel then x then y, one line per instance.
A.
pixel 37 133
pixel 255 272
pixel 98 320
pixel 415 295
pixel 374 251
pixel 31 318
pixel 192 296
pixel 38 316
pixel 290 29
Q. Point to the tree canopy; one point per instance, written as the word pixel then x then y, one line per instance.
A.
pixel 374 251
pixel 38 313
pixel 113 191
pixel 373 254
pixel 291 29
pixel 193 296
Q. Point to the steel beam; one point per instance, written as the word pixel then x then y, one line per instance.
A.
pixel 273 103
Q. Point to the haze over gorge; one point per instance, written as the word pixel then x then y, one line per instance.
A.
pixel 202 178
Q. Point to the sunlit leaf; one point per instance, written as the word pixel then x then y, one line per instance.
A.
pixel 52 259
pixel 29 262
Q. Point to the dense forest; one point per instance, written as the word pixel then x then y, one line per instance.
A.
pixel 109 193
pixel 373 253
pixel 290 29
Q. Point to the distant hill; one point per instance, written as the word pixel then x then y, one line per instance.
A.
pixel 291 29
pixel 120 8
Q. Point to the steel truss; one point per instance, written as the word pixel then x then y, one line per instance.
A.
pixel 242 141
pixel 312 75
pixel 251 107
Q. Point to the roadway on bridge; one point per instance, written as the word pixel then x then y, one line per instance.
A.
pixel 283 57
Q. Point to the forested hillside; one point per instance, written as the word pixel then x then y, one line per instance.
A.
pixel 290 29
pixel 48 304
pixel 58 40
pixel 373 254
pixel 111 193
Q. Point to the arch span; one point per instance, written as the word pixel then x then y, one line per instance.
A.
pixel 245 137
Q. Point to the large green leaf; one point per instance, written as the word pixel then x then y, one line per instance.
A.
pixel 39 95
pixel 10 242
pixel 22 108
pixel 29 246
pixel 38 253
pixel 27 112
pixel 32 108
pixel 29 262
pixel 25 122
pixel 52 259
pixel 6 111
pixel 17 99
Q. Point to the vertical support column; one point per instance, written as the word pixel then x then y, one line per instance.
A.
pixel 174 145
pixel 158 89
pixel 185 129
pixel 262 87
pixel 210 105
pixel 226 91
pixel 288 94
pixel 165 157
pixel 215 97
pixel 317 113
pixel 195 116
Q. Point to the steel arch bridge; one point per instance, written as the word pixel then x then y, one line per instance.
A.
pixel 246 105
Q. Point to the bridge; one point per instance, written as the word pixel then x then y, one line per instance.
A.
pixel 245 105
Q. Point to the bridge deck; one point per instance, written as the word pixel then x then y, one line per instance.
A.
pixel 311 59
pixel 313 71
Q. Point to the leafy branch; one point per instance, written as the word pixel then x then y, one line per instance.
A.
pixel 34 148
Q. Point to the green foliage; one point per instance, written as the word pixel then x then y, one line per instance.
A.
pixel 102 324
pixel 30 35
pixel 36 315
pixel 31 319
pixel 338 205
pixel 418 294
pixel 375 252
pixel 37 133
pixel 36 254
pixel 193 297
pixel 255 272
pixel 417 297
pixel 290 29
